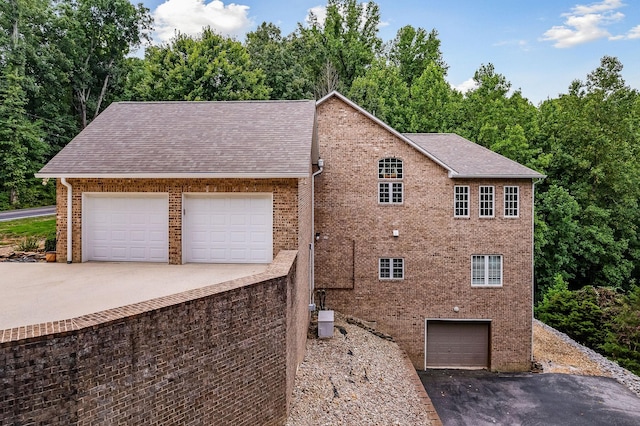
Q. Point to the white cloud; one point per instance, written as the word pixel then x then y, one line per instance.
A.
pixel 521 44
pixel 465 86
pixel 191 16
pixel 634 32
pixel 320 12
pixel 598 7
pixel 586 23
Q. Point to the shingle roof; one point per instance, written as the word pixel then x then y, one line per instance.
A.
pixel 221 139
pixel 466 159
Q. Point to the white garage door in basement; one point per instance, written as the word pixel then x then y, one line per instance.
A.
pixel 228 228
pixel 125 227
pixel 457 344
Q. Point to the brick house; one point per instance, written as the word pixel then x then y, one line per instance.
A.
pixel 181 182
pixel 429 236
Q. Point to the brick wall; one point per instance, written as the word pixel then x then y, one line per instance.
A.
pixel 355 231
pixel 299 295
pixel 215 355
pixel 285 208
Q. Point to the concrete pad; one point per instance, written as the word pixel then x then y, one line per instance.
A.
pixel 34 293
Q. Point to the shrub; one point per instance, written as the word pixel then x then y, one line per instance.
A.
pixel 575 313
pixel 623 340
pixel 50 243
pixel 29 244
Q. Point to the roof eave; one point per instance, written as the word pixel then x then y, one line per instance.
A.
pixel 54 175
pixel 496 176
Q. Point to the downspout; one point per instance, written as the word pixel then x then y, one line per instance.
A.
pixel 69 219
pixel 533 256
pixel 312 252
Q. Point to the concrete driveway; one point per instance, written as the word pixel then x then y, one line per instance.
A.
pixel 34 293
pixel 482 398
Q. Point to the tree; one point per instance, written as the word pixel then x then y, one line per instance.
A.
pixel 413 50
pixel 382 92
pixel 557 233
pixel 21 145
pixel 97 36
pixel 434 104
pixel 575 313
pixel 622 342
pixel 348 39
pixel 278 58
pixel 208 67
pixel 592 134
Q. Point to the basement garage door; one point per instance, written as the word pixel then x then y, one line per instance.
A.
pixel 228 228
pixel 457 344
pixel 125 228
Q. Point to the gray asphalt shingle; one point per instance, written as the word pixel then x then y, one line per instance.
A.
pixel 468 159
pixel 268 138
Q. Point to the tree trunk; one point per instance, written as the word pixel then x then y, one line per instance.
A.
pixel 104 89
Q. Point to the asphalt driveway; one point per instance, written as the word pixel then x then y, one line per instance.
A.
pixel 483 398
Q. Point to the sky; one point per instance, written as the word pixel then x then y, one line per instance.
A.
pixel 539 46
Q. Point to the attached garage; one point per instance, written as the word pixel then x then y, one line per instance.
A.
pixel 457 344
pixel 121 227
pixel 228 228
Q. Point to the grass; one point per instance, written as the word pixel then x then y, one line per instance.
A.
pixel 38 227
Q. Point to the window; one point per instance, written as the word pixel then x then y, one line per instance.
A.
pixel 511 201
pixel 486 201
pixel 390 191
pixel 461 201
pixel 486 270
pixel 390 168
pixel 391 268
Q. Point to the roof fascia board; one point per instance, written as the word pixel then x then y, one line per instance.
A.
pixel 173 175
pixel 385 126
pixel 531 176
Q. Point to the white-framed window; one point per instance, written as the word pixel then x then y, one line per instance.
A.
pixel 486 201
pixel 391 268
pixel 511 201
pixel 486 270
pixel 390 174
pixel 460 201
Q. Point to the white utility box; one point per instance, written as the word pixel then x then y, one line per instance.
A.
pixel 325 324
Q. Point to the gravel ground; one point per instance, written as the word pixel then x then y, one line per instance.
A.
pixel 359 378
pixel 558 353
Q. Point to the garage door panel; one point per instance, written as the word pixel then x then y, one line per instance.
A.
pixel 234 228
pixel 126 228
pixel 457 344
pixel 258 237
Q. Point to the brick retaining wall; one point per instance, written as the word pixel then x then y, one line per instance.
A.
pixel 214 355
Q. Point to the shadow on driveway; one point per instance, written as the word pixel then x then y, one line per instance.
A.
pixel 483 398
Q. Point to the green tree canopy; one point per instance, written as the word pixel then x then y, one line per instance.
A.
pixel 413 50
pixel 97 36
pixel 347 39
pixel 278 58
pixel 207 67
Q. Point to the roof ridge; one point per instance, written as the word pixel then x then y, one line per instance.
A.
pixel 218 102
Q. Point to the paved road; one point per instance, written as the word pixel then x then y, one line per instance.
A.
pixel 24 213
pixel 479 398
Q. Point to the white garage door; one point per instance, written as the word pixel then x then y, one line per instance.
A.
pixel 228 228
pixel 125 228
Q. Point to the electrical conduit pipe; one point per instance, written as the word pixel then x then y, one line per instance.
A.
pixel 312 260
